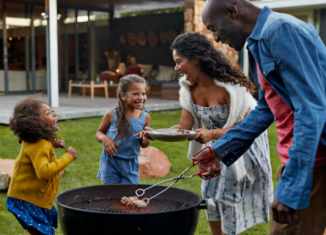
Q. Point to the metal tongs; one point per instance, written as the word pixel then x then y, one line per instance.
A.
pixel 141 192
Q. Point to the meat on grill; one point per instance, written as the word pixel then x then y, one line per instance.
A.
pixel 133 202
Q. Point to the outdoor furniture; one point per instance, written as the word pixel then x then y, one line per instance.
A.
pixel 89 84
pixel 170 90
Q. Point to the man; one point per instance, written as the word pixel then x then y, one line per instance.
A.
pixel 288 63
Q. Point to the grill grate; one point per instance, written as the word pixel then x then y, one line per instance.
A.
pixel 114 205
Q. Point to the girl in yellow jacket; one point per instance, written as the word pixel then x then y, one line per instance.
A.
pixel 35 181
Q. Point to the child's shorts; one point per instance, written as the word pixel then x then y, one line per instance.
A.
pixel 118 170
pixel 29 215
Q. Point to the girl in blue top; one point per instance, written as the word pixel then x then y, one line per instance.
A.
pixel 121 133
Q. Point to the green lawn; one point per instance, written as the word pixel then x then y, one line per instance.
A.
pixel 82 172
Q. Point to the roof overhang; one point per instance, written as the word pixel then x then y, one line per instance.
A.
pixel 145 5
pixel 291 5
pixel 120 6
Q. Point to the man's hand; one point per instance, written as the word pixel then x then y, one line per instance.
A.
pixel 283 214
pixel 209 164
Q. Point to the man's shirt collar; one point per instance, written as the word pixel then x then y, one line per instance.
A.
pixel 257 32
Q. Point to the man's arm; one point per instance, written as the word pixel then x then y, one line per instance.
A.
pixel 298 56
pixel 236 141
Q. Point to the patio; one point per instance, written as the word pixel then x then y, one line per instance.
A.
pixel 80 107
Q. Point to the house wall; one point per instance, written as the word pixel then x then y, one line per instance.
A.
pixel 193 23
pixel 158 55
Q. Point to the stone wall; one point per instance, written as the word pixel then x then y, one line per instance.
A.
pixel 193 23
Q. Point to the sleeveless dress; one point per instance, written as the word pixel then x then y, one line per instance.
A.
pixel 240 205
pixel 124 166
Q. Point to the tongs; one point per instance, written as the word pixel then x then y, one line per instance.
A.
pixel 141 192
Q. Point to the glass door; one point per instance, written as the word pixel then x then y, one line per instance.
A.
pixel 17 40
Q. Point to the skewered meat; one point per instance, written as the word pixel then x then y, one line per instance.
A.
pixel 133 202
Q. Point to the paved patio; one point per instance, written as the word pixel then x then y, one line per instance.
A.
pixel 80 107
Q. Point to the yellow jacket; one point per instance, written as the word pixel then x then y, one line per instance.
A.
pixel 36 174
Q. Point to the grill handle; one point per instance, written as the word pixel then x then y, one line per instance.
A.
pixel 208 204
pixel 203 205
pixel 74 201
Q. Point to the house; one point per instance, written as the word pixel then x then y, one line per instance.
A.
pixel 312 12
pixel 45 43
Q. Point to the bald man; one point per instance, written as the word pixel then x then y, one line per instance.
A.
pixel 288 63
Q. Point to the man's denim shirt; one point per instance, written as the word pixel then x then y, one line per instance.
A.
pixel 292 58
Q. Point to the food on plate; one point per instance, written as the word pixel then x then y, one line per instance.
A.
pixel 170 135
pixel 179 132
pixel 133 201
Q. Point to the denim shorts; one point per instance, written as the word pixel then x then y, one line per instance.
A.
pixel 118 170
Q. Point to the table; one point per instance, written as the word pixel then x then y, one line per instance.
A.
pixel 112 91
pixel 107 77
pixel 91 85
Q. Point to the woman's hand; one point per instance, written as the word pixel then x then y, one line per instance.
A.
pixel 60 144
pixel 109 146
pixel 203 135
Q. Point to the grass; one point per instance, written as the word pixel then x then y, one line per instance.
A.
pixel 82 172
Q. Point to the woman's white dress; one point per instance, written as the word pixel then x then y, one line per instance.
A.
pixel 243 192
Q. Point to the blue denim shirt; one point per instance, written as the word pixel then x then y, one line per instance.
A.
pixel 292 59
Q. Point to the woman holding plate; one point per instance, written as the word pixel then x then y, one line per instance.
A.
pixel 218 96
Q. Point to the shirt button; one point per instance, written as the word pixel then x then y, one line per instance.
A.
pixel 222 154
pixel 226 151
pixel 242 145
pixel 264 72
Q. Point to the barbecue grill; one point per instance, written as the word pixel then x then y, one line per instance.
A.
pixel 98 210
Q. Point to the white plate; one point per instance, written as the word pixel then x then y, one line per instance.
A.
pixel 168 136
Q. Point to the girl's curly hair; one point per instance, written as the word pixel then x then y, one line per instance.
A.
pixel 26 122
pixel 195 46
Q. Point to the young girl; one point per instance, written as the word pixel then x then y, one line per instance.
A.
pixel 35 181
pixel 121 133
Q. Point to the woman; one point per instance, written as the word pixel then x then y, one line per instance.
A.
pixel 133 68
pixel 216 95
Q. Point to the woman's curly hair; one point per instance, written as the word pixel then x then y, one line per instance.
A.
pixel 26 122
pixel 195 46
